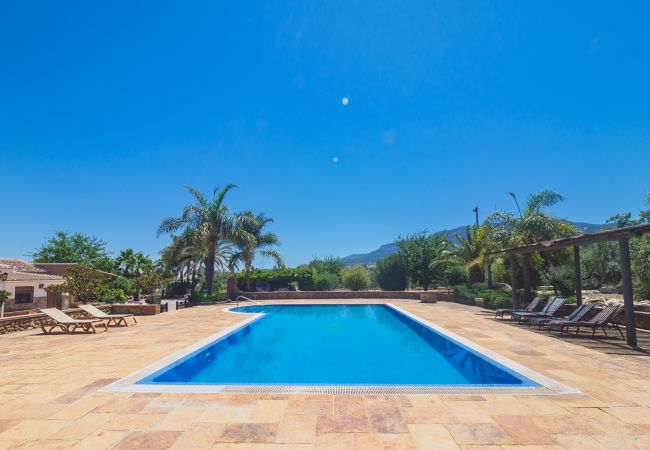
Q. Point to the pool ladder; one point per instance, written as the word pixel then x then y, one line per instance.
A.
pixel 247 299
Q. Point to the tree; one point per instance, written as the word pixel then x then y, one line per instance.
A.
pixel 329 264
pixel 530 225
pixel 469 250
pixel 325 281
pixel 356 278
pixel 425 255
pixel 600 265
pixel 486 243
pixel 133 265
pixel 152 279
pixel 209 221
pixel 84 282
pixel 250 239
pixel 77 248
pixel 172 258
pixel 639 250
pixel 391 273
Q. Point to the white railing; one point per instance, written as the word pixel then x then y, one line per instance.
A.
pixel 247 299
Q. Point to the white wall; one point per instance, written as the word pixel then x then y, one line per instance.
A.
pixel 38 292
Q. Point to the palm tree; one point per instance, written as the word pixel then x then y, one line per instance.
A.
pixel 209 220
pixel 251 240
pixel 485 244
pixel 171 256
pixel 469 249
pixel 530 225
pixel 133 265
pixel 193 257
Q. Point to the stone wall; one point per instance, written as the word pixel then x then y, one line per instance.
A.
pixel 438 294
pixel 136 310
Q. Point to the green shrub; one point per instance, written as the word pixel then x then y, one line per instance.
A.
pixel 328 264
pixel 202 297
pixel 356 278
pixel 280 278
pixel 391 273
pixel 124 284
pixel 496 298
pixel 178 288
pixel 325 281
pixel 561 278
pixel 492 298
pixel 112 295
pixel 455 274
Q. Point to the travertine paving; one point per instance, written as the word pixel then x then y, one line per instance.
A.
pixel 51 397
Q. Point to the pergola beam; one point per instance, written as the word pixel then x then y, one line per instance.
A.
pixel 584 239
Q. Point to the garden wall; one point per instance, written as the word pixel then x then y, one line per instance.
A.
pixel 435 295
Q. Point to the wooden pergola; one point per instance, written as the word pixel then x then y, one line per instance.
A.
pixel 622 235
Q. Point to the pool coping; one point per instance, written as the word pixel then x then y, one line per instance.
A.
pixel 547 386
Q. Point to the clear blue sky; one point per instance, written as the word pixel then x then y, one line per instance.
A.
pixel 108 108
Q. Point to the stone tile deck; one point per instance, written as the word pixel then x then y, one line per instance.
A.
pixel 50 396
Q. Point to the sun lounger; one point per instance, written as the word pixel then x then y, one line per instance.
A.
pixel 68 324
pixel 533 306
pixel 602 320
pixel 577 315
pixel 115 319
pixel 549 311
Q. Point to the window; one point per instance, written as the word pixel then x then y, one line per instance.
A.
pixel 24 294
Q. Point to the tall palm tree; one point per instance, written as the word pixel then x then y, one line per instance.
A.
pixel 251 240
pixel 209 220
pixel 469 249
pixel 532 223
pixel 193 257
pixel 485 244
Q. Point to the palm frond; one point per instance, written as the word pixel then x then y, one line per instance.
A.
pixel 279 261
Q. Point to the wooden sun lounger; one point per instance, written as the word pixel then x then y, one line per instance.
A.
pixel 68 324
pixel 531 307
pixel 115 319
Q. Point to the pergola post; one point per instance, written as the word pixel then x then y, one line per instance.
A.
pixel 578 274
pixel 628 294
pixel 527 278
pixel 513 281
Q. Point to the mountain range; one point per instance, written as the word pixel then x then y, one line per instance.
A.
pixel 388 249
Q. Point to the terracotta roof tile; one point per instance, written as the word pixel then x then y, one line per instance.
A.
pixel 27 276
pixel 19 265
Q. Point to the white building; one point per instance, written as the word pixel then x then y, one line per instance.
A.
pixel 26 285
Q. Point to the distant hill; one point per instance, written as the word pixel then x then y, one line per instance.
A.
pixel 388 249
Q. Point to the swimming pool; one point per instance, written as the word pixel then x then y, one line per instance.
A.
pixel 336 349
pixel 357 348
pixel 335 344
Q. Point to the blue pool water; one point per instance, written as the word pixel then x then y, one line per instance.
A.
pixel 335 345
